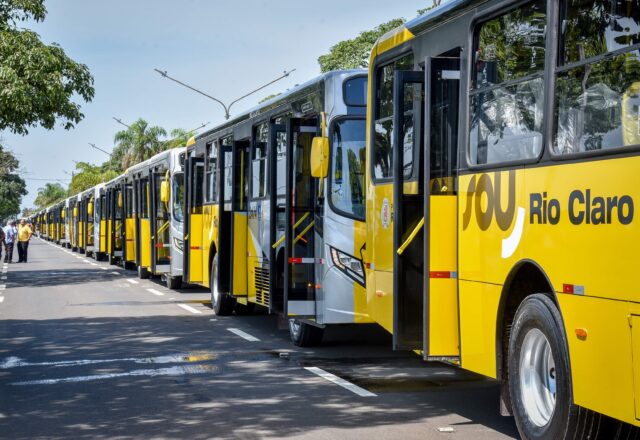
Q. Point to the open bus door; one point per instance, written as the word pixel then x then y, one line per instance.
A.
pixel 160 222
pixel 194 181
pixel 239 224
pixel 301 227
pixel 425 217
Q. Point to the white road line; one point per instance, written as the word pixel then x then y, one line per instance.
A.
pixel 3 286
pixel 94 264
pixel 244 335
pixel 1 299
pixel 131 281
pixel 84 260
pixel 104 268
pixel 3 278
pixel 115 273
pixel 155 292
pixel 189 309
pixel 190 357
pixel 341 382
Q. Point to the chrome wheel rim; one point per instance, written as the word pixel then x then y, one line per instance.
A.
pixel 294 327
pixel 537 378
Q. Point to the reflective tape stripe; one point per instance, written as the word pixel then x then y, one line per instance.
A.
pixel 302 260
pixel 443 274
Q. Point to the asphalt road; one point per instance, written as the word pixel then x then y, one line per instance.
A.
pixel 89 351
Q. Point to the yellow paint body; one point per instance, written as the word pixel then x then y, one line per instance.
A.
pixel 130 239
pixel 103 236
pixel 145 243
pixel 81 243
pixel 240 255
pixel 109 232
pixel 195 249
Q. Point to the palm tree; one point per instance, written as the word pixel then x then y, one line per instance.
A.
pixel 49 194
pixel 138 142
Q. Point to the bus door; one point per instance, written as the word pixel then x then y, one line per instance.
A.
pixel 225 243
pixel 129 248
pixel 194 176
pixel 301 226
pixel 143 235
pixel 118 215
pixel 239 226
pixel 160 223
pixel 272 291
pixel 425 218
pixel 103 223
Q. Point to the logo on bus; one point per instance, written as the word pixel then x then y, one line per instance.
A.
pixel 385 213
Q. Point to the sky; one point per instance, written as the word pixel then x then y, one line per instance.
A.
pixel 226 48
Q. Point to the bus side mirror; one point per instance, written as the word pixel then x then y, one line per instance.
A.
pixel 90 208
pixel 164 191
pixel 119 200
pixel 320 157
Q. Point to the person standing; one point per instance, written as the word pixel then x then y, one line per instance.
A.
pixel 10 236
pixel 24 235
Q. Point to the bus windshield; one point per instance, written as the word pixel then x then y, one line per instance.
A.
pixel 346 184
pixel 178 197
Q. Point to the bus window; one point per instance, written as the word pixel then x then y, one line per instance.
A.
pixel 178 197
pixel 382 152
pixel 128 207
pixel 259 162
pixel 210 173
pixel 228 167
pixel 598 99
pixel 355 92
pixel 346 180
pixel 507 99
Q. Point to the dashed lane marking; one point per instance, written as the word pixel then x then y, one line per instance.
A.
pixel 189 309
pixel 341 382
pixel 243 335
pixel 189 357
pixel 129 280
pixel 3 278
pixel 1 299
pixel 104 268
pixel 94 264
pixel 3 286
pixel 115 273
pixel 155 292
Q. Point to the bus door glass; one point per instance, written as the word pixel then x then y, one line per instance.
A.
pixel 194 176
pixel 242 163
pixel 408 196
pixel 441 199
pixel 270 280
pixel 299 293
pixel 160 223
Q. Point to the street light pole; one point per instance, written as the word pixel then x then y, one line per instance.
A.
pixel 98 148
pixel 119 121
pixel 227 108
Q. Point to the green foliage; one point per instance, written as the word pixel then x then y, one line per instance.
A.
pixel 87 176
pixel 138 143
pixel 266 98
pixel 12 186
pixel 435 4
pixel 37 81
pixel 49 194
pixel 354 53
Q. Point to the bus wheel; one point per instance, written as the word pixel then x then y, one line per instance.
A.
pixel 143 273
pixel 303 334
pixel 221 303
pixel 539 372
pixel 173 282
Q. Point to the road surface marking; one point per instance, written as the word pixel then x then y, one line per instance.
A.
pixel 341 382
pixel 131 281
pixel 244 335
pixel 3 286
pixel 178 370
pixel 115 273
pixel 1 299
pixel 104 268
pixel 196 356
pixel 189 309
pixel 84 260
pixel 4 278
pixel 94 264
pixel 155 292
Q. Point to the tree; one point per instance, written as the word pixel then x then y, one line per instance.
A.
pixel 179 138
pixel 12 186
pixel 138 143
pixel 37 81
pixel 354 53
pixel 49 194
pixel 87 176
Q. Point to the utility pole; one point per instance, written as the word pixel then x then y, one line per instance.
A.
pixel 119 121
pixel 100 149
pixel 227 108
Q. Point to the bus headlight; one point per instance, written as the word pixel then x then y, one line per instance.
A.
pixel 179 244
pixel 348 264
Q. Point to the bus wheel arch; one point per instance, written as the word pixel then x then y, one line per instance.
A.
pixel 526 278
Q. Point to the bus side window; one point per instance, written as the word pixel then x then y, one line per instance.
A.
pixel 507 98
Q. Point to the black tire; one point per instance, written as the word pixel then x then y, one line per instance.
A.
pixel 538 320
pixel 173 283
pixel 143 273
pixel 221 302
pixel 112 260
pixel 305 335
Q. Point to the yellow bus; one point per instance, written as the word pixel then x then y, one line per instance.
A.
pixel 502 147
pixel 298 256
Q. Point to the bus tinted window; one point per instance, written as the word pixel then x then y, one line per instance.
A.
pixel 355 92
pixel 211 172
pixel 512 45
pixel 382 151
pixel 178 197
pixel 594 27
pixel 507 119
pixel 346 184
pixel 259 162
pixel 228 168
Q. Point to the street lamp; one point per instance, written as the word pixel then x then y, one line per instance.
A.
pixel 227 108
pixel 100 149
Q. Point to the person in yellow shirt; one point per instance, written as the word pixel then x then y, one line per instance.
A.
pixel 24 235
